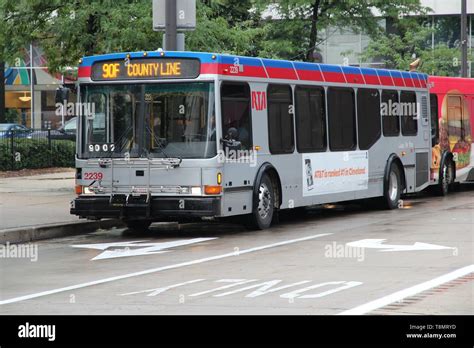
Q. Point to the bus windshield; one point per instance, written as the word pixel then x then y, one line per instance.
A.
pixel 174 120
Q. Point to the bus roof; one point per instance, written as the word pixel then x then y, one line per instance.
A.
pixel 237 66
pixel 442 84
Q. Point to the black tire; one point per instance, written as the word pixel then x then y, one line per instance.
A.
pixel 263 206
pixel 138 226
pixel 392 187
pixel 446 178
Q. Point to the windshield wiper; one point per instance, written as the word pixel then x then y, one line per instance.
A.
pixel 158 141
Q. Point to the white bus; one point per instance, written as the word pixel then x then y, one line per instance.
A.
pixel 179 135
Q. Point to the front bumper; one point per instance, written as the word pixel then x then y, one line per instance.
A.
pixel 152 207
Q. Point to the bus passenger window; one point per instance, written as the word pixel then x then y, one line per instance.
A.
pixel 408 113
pixel 368 117
pixel 341 119
pixel 310 119
pixel 235 109
pixel 434 119
pixel 390 117
pixel 280 120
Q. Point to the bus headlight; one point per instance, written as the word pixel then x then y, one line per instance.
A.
pixel 196 190
pixel 87 190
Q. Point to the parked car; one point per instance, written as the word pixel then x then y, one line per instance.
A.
pixel 66 132
pixel 7 130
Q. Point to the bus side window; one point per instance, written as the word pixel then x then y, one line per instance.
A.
pixel 310 119
pixel 235 109
pixel 390 117
pixel 368 117
pixel 280 119
pixel 341 115
pixel 434 119
pixel 409 116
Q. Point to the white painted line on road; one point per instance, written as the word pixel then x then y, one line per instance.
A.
pixel 124 249
pixel 157 291
pixel 378 244
pixel 400 295
pixel 160 269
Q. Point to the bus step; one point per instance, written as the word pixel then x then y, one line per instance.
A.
pixel 139 201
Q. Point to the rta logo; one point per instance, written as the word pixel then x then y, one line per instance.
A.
pixel 259 100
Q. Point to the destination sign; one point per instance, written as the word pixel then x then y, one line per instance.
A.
pixel 145 69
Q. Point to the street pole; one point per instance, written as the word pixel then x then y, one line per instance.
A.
pixel 464 38
pixel 2 92
pixel 171 25
pixel 32 89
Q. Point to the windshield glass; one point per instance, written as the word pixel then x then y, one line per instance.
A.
pixel 154 120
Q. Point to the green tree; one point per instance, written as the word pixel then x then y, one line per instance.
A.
pixel 412 37
pixel 219 29
pixel 68 30
pixel 296 32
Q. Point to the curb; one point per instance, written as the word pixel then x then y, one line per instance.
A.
pixel 33 233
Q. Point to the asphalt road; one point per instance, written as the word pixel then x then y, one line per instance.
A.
pixel 332 260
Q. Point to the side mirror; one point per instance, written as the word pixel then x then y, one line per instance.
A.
pixel 62 94
pixel 230 144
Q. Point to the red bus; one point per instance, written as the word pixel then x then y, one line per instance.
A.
pixel 452 112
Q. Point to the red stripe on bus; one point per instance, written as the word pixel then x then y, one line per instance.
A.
pixel 372 80
pixel 409 82
pixel 84 71
pixel 386 80
pixel 282 73
pixel 334 77
pixel 355 78
pixel 399 81
pixel 310 75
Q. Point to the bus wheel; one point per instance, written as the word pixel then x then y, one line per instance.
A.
pixel 393 188
pixel 263 205
pixel 138 226
pixel 445 178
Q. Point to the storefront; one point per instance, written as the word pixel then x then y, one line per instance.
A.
pixel 37 110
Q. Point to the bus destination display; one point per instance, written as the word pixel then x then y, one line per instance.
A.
pixel 146 69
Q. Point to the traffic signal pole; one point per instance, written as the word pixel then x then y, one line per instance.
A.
pixel 171 32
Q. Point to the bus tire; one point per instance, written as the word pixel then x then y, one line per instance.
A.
pixel 393 187
pixel 446 177
pixel 138 226
pixel 263 205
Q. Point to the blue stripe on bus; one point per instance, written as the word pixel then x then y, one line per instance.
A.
pixel 369 71
pixel 307 66
pixel 330 68
pixel 351 70
pixel 282 64
pixel 224 59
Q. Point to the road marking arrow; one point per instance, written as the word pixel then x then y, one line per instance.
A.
pixel 135 248
pixel 377 244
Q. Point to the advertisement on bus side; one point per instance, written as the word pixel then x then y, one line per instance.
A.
pixel 335 172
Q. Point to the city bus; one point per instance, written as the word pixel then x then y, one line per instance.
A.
pixel 183 135
pixel 452 113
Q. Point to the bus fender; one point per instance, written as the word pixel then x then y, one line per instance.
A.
pixel 272 172
pixel 446 156
pixel 393 158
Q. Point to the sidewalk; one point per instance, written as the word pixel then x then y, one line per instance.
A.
pixel 36 200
